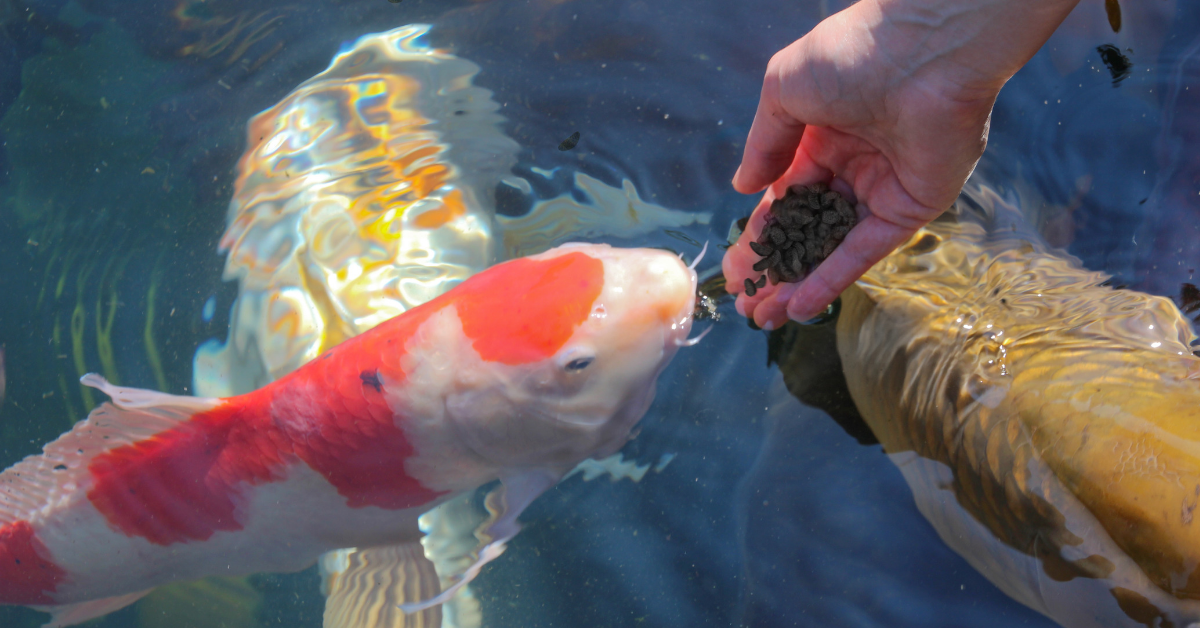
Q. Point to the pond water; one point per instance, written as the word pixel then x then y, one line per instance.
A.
pixel 123 122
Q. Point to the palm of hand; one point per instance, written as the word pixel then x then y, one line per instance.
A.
pixel 902 146
pixel 887 216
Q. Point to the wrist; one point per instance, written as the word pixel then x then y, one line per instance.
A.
pixel 969 48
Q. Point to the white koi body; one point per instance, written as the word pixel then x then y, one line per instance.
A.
pixel 518 374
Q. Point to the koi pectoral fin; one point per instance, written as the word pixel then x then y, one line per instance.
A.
pixel 365 587
pixel 516 493
pixel 71 614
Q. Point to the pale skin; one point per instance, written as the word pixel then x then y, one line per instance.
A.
pixel 890 100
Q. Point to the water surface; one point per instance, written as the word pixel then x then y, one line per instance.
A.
pixel 123 125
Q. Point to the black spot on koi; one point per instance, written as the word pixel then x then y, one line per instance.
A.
pixel 371 378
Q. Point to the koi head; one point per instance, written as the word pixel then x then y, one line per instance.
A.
pixel 565 350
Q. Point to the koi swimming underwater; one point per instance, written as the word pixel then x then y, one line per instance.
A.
pixel 517 374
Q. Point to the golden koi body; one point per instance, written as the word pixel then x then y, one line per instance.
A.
pixel 1049 425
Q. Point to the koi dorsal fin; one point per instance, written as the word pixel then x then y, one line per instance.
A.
pixel 61 470
pixel 176 407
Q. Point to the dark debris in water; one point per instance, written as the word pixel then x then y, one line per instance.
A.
pixel 1189 299
pixel 803 228
pixel 570 142
pixel 1189 303
pixel 1113 8
pixel 1119 66
pixel 682 237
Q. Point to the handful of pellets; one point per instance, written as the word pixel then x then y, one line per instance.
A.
pixel 802 229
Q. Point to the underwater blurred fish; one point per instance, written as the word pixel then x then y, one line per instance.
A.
pixel 1048 425
pixel 368 190
pixel 517 374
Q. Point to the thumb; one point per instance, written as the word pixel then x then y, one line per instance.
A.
pixel 773 140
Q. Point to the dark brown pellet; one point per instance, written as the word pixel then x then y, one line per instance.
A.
pixel 762 282
pixel 777 235
pixel 795 260
pixel 762 250
pixel 751 289
pixel 814 251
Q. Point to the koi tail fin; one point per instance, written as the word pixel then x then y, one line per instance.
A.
pixel 62 468
pixel 51 484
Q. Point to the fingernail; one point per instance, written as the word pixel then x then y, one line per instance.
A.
pixel 800 314
pixel 794 312
pixel 769 325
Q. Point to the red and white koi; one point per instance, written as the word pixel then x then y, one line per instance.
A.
pixel 517 374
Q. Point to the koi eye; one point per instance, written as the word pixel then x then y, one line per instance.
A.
pixel 578 364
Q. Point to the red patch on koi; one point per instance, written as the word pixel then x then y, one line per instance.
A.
pixel 26 577
pixel 187 483
pixel 526 310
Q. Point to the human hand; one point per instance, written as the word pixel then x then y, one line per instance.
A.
pixel 890 99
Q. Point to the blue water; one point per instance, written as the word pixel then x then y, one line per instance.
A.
pixel 117 166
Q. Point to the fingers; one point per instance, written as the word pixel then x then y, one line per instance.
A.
pixel 739 260
pixel 774 136
pixel 738 266
pixel 770 312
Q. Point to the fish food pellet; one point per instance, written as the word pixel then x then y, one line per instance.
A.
pixel 752 287
pixel 802 229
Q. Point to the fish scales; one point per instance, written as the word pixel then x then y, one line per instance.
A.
pixel 526 368
pixel 1064 417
